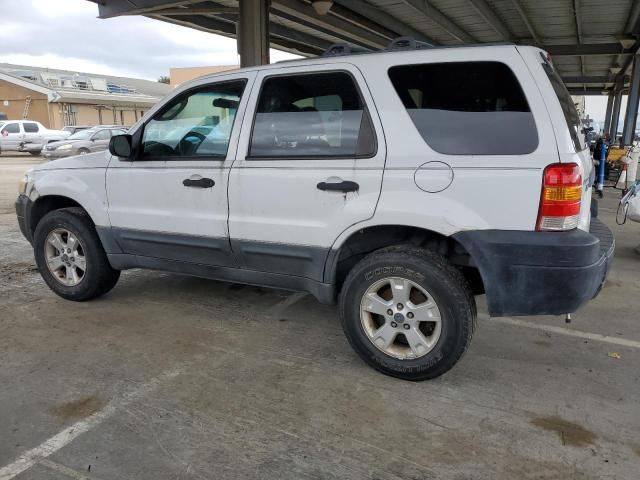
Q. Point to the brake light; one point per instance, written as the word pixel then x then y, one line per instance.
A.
pixel 560 199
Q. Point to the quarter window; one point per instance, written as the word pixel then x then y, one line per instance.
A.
pixel 196 124
pixel 311 115
pixel 30 127
pixel 467 108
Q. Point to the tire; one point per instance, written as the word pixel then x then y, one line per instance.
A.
pixel 96 279
pixel 427 277
pixel 82 151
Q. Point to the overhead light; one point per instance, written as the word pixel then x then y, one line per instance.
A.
pixel 615 70
pixel 627 42
pixel 322 7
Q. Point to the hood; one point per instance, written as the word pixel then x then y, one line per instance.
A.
pixel 59 143
pixel 90 160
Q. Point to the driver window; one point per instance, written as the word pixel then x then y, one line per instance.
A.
pixel 197 124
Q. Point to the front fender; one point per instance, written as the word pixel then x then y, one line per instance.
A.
pixel 84 186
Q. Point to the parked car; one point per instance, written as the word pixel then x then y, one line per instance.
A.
pixel 75 128
pixel 447 173
pixel 27 136
pixel 82 142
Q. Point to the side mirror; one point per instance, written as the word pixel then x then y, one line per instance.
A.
pixel 120 146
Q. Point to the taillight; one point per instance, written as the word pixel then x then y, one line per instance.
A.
pixel 560 199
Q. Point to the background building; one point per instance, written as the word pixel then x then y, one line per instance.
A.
pixel 181 75
pixel 57 98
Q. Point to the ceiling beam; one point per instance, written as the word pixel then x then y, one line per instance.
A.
pixel 362 21
pixel 115 8
pixel 339 36
pixel 527 22
pixel 444 22
pixel 588 91
pixel 282 37
pixel 387 21
pixel 305 12
pixel 574 50
pixel 592 79
pixel 197 11
pixel 489 16
pixel 633 21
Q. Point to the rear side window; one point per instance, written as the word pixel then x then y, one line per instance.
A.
pixel 30 127
pixel 11 128
pixel 568 107
pixel 311 115
pixel 467 108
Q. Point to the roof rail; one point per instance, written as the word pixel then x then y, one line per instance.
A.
pixel 398 44
pixel 406 43
pixel 342 48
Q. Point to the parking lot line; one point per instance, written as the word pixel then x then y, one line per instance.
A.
pixel 566 331
pixel 66 436
pixel 63 469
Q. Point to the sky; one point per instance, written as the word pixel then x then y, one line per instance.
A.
pixel 67 34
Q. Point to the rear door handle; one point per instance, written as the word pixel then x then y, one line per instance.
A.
pixel 198 183
pixel 341 186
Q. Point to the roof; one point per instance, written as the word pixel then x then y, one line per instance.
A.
pixel 81 87
pixel 592 41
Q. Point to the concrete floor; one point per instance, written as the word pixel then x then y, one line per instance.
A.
pixel 177 377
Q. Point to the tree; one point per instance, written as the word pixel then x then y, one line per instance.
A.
pixel 163 79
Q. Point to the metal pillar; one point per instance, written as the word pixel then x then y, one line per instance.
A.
pixel 253 32
pixel 607 115
pixel 615 116
pixel 628 133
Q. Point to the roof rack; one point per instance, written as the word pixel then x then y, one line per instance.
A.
pixel 406 43
pixel 400 43
pixel 342 48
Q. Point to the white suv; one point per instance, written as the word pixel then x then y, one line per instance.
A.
pixel 27 136
pixel 399 184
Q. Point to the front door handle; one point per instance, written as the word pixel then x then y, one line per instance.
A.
pixel 341 186
pixel 198 183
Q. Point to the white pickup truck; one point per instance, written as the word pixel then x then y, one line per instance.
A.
pixel 27 136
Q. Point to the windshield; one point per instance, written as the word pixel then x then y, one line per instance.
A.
pixel 82 134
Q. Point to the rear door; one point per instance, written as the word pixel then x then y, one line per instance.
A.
pixel 11 136
pixel 33 136
pixel 309 165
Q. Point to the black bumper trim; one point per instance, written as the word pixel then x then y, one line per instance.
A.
pixel 540 273
pixel 23 211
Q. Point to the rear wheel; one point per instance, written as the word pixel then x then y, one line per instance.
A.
pixel 407 312
pixel 70 256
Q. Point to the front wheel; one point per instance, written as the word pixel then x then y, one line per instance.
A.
pixel 70 256
pixel 407 312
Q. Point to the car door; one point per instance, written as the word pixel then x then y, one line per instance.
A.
pixel 100 140
pixel 170 202
pixel 11 135
pixel 33 135
pixel 310 164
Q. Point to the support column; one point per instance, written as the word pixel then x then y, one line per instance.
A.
pixel 628 134
pixel 253 32
pixel 607 115
pixel 615 116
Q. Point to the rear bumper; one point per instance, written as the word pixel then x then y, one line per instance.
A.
pixel 540 273
pixel 23 211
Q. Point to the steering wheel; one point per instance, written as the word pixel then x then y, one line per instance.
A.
pixel 187 147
